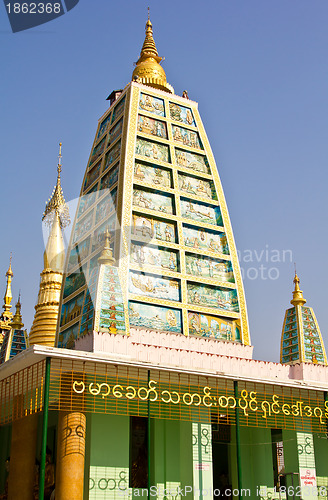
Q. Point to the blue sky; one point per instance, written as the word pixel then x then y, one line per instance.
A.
pixel 258 69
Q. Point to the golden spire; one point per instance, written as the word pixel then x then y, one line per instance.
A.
pixel 106 256
pixel 43 330
pixel 17 321
pixel 7 314
pixel 56 205
pixel 298 299
pixel 148 70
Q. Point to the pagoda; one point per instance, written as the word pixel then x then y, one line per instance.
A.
pixel 301 340
pixel 152 182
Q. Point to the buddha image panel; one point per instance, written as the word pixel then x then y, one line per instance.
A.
pixel 73 282
pixel 152 174
pixel 199 265
pixel 201 212
pixel 78 253
pixel 154 286
pixel 152 126
pixel 186 137
pixel 153 201
pixel 155 317
pixel 196 186
pixel 109 179
pixel 71 310
pixel 86 201
pixel 194 161
pixel 67 337
pixel 104 126
pixel 205 325
pixel 148 228
pixel 83 226
pixel 154 150
pixel 181 114
pixel 115 132
pixel 151 104
pixel 106 206
pixel 149 256
pixel 203 239
pixel 118 110
pixel 112 155
pixel 97 151
pixel 210 296
pixel 92 175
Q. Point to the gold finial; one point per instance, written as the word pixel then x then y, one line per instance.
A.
pixel 298 299
pixel 59 166
pixel 148 70
pixel 106 256
pixel 7 314
pixel 17 323
pixel 56 206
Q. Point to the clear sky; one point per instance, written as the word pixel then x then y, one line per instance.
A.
pixel 258 69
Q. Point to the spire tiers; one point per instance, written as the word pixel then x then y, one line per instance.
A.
pixel 17 321
pixel 56 215
pixel 7 314
pixel 56 205
pixel 106 256
pixel 301 340
pixel 298 299
pixel 148 70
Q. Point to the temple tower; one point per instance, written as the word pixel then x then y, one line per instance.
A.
pixel 301 340
pixel 152 182
pixel 56 216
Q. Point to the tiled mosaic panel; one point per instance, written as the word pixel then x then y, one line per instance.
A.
pixel 157 176
pixel 158 258
pixel 206 267
pixel 203 239
pixel 111 307
pixel 201 212
pixel 181 114
pixel 118 110
pixel 210 296
pixel 154 286
pixel 194 161
pixel 97 151
pixel 155 317
pixel 92 175
pixel 151 104
pixel 148 228
pixel 152 126
pixel 196 186
pixel 153 150
pixel 71 310
pixel 153 201
pixel 186 137
pixel 73 282
pixel 205 325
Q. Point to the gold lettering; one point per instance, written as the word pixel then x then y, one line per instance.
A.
pixel 286 412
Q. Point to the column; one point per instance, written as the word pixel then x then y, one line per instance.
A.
pixel 70 456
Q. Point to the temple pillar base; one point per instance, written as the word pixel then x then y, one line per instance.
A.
pixel 70 456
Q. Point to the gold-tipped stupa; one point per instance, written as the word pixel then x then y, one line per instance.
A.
pixel 106 256
pixel 56 215
pixel 298 299
pixel 148 70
